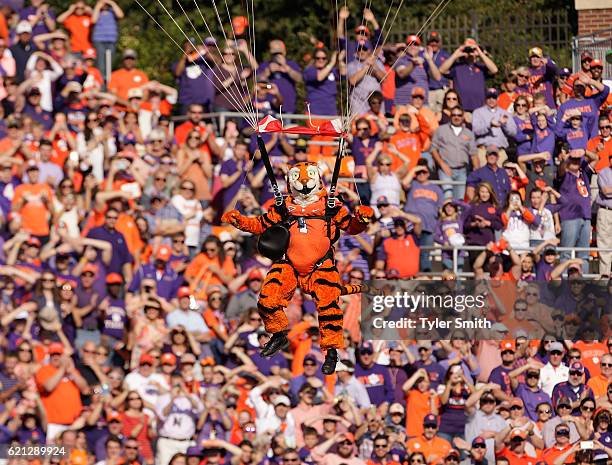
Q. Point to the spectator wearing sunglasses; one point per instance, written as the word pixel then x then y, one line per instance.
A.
pixel 562 443
pixel 529 391
pixel 373 376
pixel 345 451
pixel 599 383
pixel 430 443
pixel 482 422
pixel 563 409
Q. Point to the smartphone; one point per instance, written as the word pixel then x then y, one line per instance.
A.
pixel 74 157
pixel 268 86
pixel 122 165
pixel 584 445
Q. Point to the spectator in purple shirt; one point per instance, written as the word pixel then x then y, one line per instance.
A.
pixel 467 74
pixel 40 16
pixel 286 74
pixel 413 69
pixel 492 174
pixel 500 374
pixel 482 218
pixel 193 73
pixel 529 391
pixel 543 73
pixel 121 261
pixel 321 79
pixel 373 376
pixel 574 388
pixel 574 207
pixel 573 130
pixel 437 87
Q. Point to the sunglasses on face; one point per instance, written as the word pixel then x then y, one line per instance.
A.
pixel 515 408
pixel 479 446
pixel 556 353
pixel 380 446
pixel 452 99
pixel 606 365
pixel 533 375
pixel 563 432
pixel 575 373
pixel 544 412
pixel 585 408
pixel 566 406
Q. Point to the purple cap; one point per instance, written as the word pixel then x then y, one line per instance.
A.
pixel 430 419
pixel 478 440
pixel 366 346
pixel 492 92
pixel 577 366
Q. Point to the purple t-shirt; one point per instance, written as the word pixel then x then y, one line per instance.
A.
pixel 321 94
pixel 531 399
pixel 115 319
pixel 575 200
pixel 542 79
pixel 376 381
pixel 40 27
pixel 286 85
pixel 417 78
pixel 195 84
pixel 499 375
pixel 524 134
pixel 424 200
pixel 469 82
pixel 588 107
pixel 435 371
pixel 452 417
pixel 229 167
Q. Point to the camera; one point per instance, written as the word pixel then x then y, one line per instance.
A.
pixel 468 49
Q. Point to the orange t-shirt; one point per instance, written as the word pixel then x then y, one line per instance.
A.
pixel 63 404
pixel 591 353
pixel 34 213
pixel 4 33
pixel 402 255
pixel 418 404
pixel 79 27
pixel 599 385
pixel 516 459
pixel 123 80
pixel 204 278
pixel 604 155
pixel 127 226
pixel 549 455
pixel 437 446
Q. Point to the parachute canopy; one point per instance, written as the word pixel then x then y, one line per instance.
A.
pixel 331 128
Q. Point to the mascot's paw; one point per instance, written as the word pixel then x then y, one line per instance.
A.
pixel 231 217
pixel 330 362
pixel 364 213
pixel 278 341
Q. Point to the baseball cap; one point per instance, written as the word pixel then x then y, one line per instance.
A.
pixel 145 358
pixel 277 46
pixel 363 29
pixel 129 53
pixel 90 53
pixel 239 24
pixel 413 39
pixel 168 359
pixel 399 222
pixel 516 401
pixel 31 165
pixel 453 453
pixel 396 408
pixel 254 275
pixel 282 400
pixel 310 358
pixel 491 92
pixel 492 149
pixel 556 346
pixel 194 451
pixel 499 327
pixel 301 144
pixel 564 72
pixel 348 436
pixel 210 41
pixel 114 278
pixel 586 56
pixel 340 366
pixel 434 36
pixel 507 345
pixel 550 250
pixel 536 52
pixel 56 348
pixel 564 401
pixel 23 27
pixel 34 91
pixel 113 416
pixel 183 291
pixel 90 268
pixel 163 253
pixel 366 346
pixel 518 433
pixel 577 366
pixel 135 93
pixel 188 358
pixel 33 241
pixel 430 419
pixel 596 63
pixel 418 91
pixel 478 440
pixel 424 344
pixel 382 200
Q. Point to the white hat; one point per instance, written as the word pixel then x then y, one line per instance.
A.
pixel 284 400
pixel 342 367
pixel 23 27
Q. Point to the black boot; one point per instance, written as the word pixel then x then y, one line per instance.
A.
pixel 277 342
pixel 331 360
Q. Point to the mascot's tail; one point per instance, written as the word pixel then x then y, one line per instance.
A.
pixel 354 289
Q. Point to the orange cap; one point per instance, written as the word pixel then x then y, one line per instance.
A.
pixel 163 253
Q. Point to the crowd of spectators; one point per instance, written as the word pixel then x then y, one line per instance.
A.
pixel 129 330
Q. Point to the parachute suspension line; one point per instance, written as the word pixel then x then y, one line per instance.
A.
pixel 254 43
pixel 214 4
pixel 432 17
pixel 337 49
pixel 180 48
pixel 197 33
pixel 234 92
pixel 349 111
pixel 280 116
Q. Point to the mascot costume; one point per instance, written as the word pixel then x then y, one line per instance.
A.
pixel 298 234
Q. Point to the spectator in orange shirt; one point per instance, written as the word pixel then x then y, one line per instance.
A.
pixel 209 268
pixel 32 201
pixel 599 382
pixel 60 386
pixel 77 20
pixel 195 121
pixel 128 77
pixel 420 401
pixel 602 144
pixel 429 443
pixel 409 141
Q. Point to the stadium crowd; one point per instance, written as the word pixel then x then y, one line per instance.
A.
pixel 129 330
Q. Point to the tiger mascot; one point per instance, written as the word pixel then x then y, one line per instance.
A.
pixel 308 261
